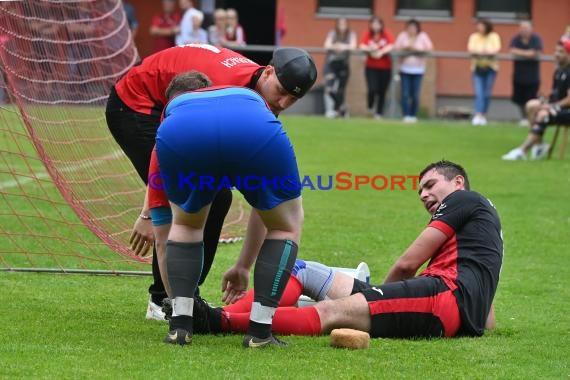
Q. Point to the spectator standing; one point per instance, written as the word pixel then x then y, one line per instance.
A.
pixel 413 43
pixel 526 47
pixel 217 31
pixel 165 26
pixel 235 35
pixel 186 25
pixel 197 35
pixel 339 43
pixel 483 44
pixel 377 42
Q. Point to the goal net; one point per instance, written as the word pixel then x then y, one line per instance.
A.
pixel 68 194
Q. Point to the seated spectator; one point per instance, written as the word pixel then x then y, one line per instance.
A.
pixel 483 45
pixel 235 35
pixel 556 111
pixel 165 26
pixel 526 47
pixel 339 43
pixel 413 43
pixel 217 31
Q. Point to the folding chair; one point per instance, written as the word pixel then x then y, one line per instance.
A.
pixel 564 142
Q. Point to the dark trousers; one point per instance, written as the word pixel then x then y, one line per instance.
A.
pixel 136 134
pixel 377 81
pixel 336 78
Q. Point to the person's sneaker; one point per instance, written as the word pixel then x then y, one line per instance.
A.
pixel 153 311
pixel 539 151
pixel 250 341
pixel 178 336
pixel 514 155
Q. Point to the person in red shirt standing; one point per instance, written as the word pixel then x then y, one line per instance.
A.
pixel 165 26
pixel 137 100
pixel 377 42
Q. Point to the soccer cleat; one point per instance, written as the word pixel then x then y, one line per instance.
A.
pixel 250 341
pixel 207 319
pixel 514 155
pixel 153 311
pixel 178 336
pixel 539 151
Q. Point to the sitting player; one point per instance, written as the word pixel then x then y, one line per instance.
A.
pixel 452 296
pixel 556 111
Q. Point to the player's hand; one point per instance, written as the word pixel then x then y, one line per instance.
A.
pixel 234 284
pixel 142 237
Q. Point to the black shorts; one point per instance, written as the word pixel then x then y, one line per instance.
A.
pixel 135 132
pixel 522 93
pixel 562 117
pixel 419 307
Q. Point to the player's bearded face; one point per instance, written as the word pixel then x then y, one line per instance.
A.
pixel 273 92
pixel 434 188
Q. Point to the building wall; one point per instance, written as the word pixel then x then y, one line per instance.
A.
pixel 445 77
pixel 550 18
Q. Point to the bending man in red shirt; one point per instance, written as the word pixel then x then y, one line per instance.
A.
pixel 136 103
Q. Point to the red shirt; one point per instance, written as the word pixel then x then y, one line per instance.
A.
pixel 382 39
pixel 142 88
pixel 164 21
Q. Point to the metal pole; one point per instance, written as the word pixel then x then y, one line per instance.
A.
pixel 78 271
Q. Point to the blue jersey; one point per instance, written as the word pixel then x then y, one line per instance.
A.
pixel 225 138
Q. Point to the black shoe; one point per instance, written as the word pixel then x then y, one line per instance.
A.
pixel 178 336
pixel 207 319
pixel 249 341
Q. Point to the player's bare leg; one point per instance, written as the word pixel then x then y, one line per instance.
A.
pixel 348 312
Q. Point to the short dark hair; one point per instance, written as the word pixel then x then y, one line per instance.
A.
pixel 449 170
pixel 187 81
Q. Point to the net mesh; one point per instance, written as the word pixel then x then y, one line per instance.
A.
pixel 67 191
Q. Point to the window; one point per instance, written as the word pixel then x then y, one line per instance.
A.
pixel 424 8
pixel 346 7
pixel 504 9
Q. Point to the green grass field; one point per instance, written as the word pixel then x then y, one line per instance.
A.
pixel 82 326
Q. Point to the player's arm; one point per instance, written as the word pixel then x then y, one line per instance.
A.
pixel 421 250
pixel 142 236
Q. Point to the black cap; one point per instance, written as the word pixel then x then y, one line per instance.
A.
pixel 295 70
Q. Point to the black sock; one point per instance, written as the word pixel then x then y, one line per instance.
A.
pixel 272 270
pixel 184 265
pixel 259 330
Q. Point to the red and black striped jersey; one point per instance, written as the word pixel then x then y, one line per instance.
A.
pixel 470 260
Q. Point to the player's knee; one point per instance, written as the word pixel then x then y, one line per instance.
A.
pixel 532 105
